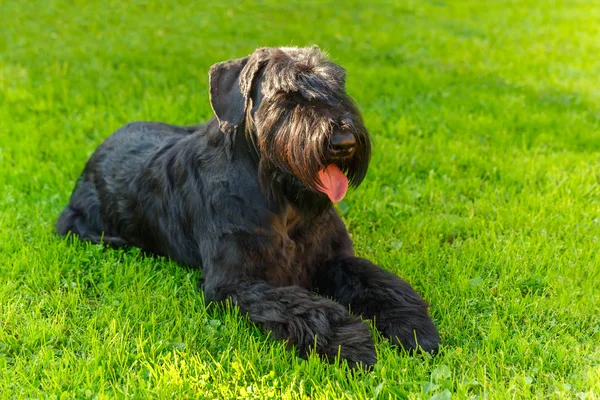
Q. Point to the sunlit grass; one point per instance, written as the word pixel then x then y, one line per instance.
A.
pixel 483 193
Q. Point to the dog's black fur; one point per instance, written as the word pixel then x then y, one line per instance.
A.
pixel 239 198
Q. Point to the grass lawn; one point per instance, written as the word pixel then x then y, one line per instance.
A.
pixel 484 193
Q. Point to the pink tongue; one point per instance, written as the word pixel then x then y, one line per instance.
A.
pixel 333 183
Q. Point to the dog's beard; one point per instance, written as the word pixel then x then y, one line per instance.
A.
pixel 292 138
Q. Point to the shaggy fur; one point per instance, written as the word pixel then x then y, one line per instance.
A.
pixel 239 197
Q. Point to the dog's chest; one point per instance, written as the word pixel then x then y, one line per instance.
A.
pixel 309 243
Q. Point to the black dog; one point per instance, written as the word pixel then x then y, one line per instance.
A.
pixel 248 198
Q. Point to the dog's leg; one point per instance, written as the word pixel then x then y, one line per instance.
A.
pixel 303 319
pixel 398 311
pixel 82 217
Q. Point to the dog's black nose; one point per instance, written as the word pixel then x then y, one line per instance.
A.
pixel 343 142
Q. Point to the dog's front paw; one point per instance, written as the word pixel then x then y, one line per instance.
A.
pixel 352 339
pixel 410 331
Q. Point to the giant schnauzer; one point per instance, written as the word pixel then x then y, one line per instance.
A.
pixel 248 198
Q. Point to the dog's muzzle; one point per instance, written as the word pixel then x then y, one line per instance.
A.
pixel 333 181
pixel 342 144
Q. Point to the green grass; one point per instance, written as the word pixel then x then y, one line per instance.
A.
pixel 484 193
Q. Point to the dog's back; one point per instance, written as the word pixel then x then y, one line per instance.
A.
pixel 137 188
pixel 107 174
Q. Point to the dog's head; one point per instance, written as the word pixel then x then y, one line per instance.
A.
pixel 292 105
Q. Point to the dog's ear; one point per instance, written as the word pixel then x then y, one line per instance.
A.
pixel 230 85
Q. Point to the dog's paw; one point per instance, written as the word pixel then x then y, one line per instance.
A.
pixel 411 333
pixel 353 342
